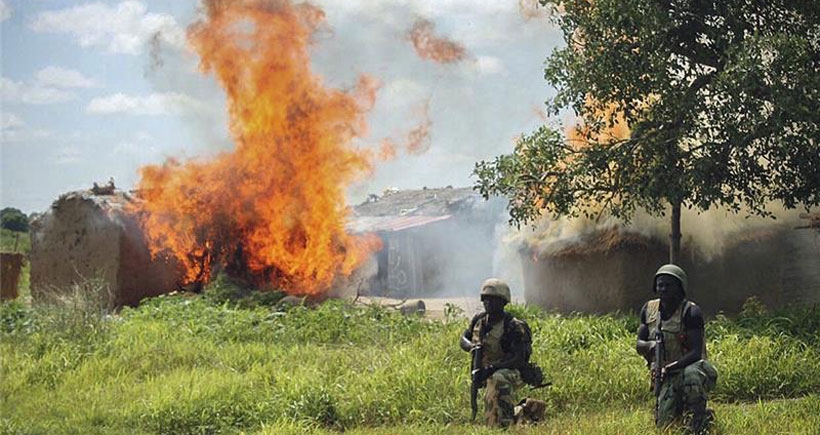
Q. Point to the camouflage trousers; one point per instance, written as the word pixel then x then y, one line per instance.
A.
pixel 685 390
pixel 499 403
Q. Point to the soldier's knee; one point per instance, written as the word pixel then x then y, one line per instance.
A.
pixel 693 371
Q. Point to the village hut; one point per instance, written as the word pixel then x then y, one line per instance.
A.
pixel 87 240
pixel 612 270
pixel 434 240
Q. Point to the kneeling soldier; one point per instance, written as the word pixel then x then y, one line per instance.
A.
pixel 504 344
pixel 671 339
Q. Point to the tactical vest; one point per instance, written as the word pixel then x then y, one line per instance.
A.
pixel 497 339
pixel 491 341
pixel 675 339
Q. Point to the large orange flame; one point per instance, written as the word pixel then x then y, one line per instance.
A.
pixel 274 207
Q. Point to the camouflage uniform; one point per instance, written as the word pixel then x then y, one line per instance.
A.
pixel 689 387
pixel 499 401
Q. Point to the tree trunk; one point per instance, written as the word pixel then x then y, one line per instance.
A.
pixel 675 236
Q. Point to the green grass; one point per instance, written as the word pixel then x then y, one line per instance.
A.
pixel 9 239
pixel 205 365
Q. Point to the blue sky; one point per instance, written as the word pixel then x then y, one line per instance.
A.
pixel 93 90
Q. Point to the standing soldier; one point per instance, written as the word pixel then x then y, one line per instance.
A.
pixel 672 330
pixel 503 343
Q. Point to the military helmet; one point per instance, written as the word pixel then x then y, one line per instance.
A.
pixel 672 270
pixel 496 287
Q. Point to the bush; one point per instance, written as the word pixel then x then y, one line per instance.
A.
pixel 14 220
pixel 224 289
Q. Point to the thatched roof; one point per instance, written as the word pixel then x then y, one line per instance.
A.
pixel 598 242
pixel 423 202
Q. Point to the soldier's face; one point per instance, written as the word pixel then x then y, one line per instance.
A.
pixel 668 288
pixel 493 304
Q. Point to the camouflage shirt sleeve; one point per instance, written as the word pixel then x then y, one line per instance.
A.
pixel 517 336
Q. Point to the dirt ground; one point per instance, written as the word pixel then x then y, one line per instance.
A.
pixel 434 308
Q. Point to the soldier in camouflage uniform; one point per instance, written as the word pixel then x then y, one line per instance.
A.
pixel 687 376
pixel 504 340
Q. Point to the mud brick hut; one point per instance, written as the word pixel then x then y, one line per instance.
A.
pixel 612 270
pixel 434 240
pixel 87 236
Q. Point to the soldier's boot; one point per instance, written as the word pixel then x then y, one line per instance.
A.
pixel 701 418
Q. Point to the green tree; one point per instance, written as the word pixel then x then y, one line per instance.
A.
pixel 722 101
pixel 13 219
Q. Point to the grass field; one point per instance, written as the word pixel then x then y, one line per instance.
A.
pixel 203 365
pixel 13 241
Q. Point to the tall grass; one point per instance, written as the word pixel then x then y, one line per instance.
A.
pixel 205 365
pixel 14 241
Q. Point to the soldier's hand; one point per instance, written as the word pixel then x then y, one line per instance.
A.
pixel 671 367
pixel 486 372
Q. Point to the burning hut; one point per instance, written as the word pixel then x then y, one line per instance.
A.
pixel 433 240
pixel 87 236
pixel 612 270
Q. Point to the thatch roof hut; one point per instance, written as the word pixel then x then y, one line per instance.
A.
pixel 613 269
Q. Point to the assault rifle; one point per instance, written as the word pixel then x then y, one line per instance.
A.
pixel 477 378
pixel 478 373
pixel 657 376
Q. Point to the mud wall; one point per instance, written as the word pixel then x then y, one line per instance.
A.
pixel 780 268
pixel 592 282
pixel 85 237
pixel 12 264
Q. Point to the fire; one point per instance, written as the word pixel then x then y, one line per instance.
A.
pixel 615 128
pixel 273 209
pixel 432 47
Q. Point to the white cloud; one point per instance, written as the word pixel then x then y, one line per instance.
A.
pixel 68 155
pixel 5 11
pixel 428 8
pixel 63 78
pixel 153 104
pixel 14 130
pixel 489 65
pixel 401 92
pixel 124 28
pixel 31 93
pixel 10 121
pixel 142 146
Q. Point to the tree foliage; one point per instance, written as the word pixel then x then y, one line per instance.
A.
pixel 722 101
pixel 13 219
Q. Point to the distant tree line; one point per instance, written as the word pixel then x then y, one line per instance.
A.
pixel 13 219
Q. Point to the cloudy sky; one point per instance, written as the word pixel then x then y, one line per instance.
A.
pixel 93 90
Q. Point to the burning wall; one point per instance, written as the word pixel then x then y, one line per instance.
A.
pixel 612 270
pixel 84 237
